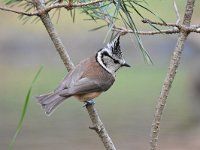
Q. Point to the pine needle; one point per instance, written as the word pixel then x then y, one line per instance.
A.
pixel 24 110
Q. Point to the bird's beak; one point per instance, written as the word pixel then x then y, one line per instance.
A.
pixel 126 65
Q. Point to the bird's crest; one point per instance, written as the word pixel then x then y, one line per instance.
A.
pixel 115 47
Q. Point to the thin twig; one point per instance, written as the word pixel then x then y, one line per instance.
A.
pixel 175 59
pixel 45 9
pixel 18 12
pixel 174 63
pixel 160 23
pixel 167 31
pixel 192 28
pixel 177 13
pixel 175 30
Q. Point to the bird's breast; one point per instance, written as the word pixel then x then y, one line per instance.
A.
pixel 88 96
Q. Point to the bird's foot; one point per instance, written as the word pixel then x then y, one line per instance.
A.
pixel 89 103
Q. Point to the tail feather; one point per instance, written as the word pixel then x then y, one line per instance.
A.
pixel 50 101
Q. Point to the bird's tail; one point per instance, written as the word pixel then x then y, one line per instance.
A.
pixel 50 101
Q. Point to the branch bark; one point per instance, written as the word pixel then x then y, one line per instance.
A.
pixel 99 128
pixel 96 121
pixel 174 63
pixel 164 31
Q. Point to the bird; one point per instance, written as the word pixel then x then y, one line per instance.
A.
pixel 88 79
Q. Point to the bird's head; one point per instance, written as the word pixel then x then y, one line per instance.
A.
pixel 110 57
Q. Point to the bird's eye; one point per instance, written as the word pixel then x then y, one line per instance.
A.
pixel 106 54
pixel 116 61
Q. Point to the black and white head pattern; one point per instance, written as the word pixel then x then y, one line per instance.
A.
pixel 110 57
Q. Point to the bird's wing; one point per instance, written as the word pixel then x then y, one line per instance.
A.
pixel 71 78
pixel 83 86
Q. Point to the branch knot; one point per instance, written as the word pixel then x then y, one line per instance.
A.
pixel 96 127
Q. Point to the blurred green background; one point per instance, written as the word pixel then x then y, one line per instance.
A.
pixel 127 109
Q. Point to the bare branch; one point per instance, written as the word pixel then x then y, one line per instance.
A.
pixel 177 13
pixel 188 12
pixel 18 12
pixel 175 60
pixel 194 28
pixel 174 63
pixel 198 30
pixel 176 27
pixel 160 23
pixel 167 31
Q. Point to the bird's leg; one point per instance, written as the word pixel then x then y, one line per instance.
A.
pixel 88 103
